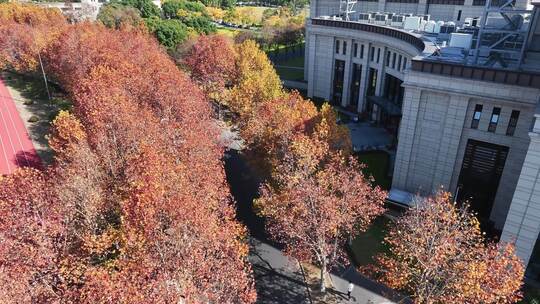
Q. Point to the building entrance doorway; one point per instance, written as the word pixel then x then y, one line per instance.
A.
pixel 481 171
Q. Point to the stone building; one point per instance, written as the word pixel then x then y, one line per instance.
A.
pixel 457 83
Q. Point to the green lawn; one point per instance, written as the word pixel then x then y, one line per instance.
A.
pixel 255 12
pixel 291 69
pixel 227 31
pixel 368 244
pixel 377 166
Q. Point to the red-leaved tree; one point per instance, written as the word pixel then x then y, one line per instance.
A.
pixel 317 200
pixel 437 254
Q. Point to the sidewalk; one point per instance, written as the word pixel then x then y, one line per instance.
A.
pixel 279 279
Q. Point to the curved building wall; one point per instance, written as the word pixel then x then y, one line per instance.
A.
pixel 386 55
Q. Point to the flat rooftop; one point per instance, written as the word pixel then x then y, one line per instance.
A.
pixel 447 41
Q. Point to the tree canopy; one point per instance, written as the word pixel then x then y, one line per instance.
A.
pixel 438 254
pixel 127 213
pixel 146 7
pixel 116 15
pixel 169 32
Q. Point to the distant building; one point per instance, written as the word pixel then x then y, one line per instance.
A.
pixel 457 82
pixel 76 11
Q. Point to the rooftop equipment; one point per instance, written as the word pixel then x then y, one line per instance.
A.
pixel 364 17
pixel 412 23
pixel 430 26
pixel 460 40
pixel 380 19
pixel 346 8
pixel 448 28
pixel 397 21
pixel 438 26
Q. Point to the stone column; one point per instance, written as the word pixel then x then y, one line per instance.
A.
pixel 381 70
pixel 364 78
pixel 407 131
pixel 347 74
pixel 306 50
pixel 449 143
pixel 523 220
pixel 310 67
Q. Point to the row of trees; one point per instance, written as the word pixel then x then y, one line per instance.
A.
pixel 315 197
pixel 135 208
pixel 173 24
pixel 314 194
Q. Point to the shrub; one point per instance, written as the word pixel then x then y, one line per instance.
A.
pixel 33 119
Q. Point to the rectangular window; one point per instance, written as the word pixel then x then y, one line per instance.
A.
pixel 388 59
pixel 355 50
pixel 399 63
pixel 337 46
pixel 512 123
pixel 378 54
pixel 372 56
pixel 494 119
pixel 459 15
pixel 339 72
pixel 355 85
pixel 344 47
pixel 476 116
pixel 372 84
pixel 394 61
pixel 404 63
pixel 362 51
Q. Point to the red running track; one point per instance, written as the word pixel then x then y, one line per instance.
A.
pixel 16 148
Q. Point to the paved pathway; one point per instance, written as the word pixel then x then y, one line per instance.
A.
pixel 16 148
pixel 278 279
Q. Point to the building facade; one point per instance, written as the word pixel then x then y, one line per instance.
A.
pixel 464 114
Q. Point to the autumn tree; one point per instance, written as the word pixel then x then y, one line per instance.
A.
pixel 211 61
pixel 25 31
pixel 257 80
pixel 30 228
pixel 136 204
pixel 316 200
pixel 437 254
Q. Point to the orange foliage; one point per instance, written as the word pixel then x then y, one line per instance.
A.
pixel 317 200
pixel 146 212
pixel 439 255
pixel 26 30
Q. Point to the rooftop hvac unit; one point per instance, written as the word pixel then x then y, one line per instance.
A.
pixel 397 21
pixel 448 27
pixel 437 28
pixel 430 26
pixel 475 21
pixel 411 23
pixel 461 40
pixel 380 19
pixel 422 25
pixel 468 22
pixel 363 17
pixel 389 19
pixel 425 17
